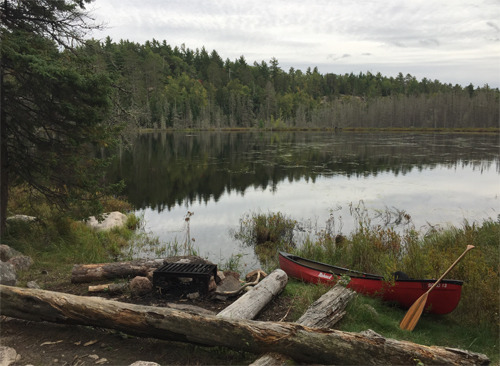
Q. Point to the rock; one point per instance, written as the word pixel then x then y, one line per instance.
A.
pixel 21 263
pixel 232 274
pixel 101 361
pixel 32 284
pixel 25 218
pixel 220 274
pixel 94 357
pixel 252 276
pixel 8 356
pixel 193 295
pixel 111 220
pixel 8 275
pixel 7 253
pixel 229 284
pixel 140 286
pixel 144 363
pixel 212 285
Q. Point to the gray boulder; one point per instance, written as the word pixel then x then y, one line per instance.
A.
pixel 21 263
pixel 8 355
pixel 32 284
pixel 25 218
pixel 7 253
pixel 111 220
pixel 140 286
pixel 8 275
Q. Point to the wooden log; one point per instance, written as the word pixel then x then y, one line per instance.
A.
pixel 111 288
pixel 323 313
pixel 328 309
pixel 250 304
pixel 141 267
pixel 301 343
pixel 108 271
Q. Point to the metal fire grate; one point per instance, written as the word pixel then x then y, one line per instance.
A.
pixel 171 277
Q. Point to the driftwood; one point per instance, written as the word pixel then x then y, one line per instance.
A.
pixel 301 343
pixel 323 313
pixel 249 305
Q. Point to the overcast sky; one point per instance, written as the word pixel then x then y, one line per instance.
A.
pixel 454 41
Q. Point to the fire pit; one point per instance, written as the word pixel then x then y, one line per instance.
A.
pixel 183 277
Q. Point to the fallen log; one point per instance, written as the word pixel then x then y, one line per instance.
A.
pixel 328 309
pixel 108 271
pixel 250 304
pixel 323 313
pixel 301 343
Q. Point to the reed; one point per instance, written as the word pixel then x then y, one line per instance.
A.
pixel 383 248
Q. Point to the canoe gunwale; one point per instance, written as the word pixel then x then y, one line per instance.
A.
pixel 356 274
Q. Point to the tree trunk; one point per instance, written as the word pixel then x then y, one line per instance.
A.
pixel 323 313
pixel 249 305
pixel 4 158
pixel 108 271
pixel 301 343
pixel 328 309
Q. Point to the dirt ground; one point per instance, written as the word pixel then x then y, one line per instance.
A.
pixel 65 345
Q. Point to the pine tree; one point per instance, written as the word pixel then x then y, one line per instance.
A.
pixel 54 105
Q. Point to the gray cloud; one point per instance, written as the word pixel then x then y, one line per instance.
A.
pixel 429 42
pixel 494 26
pixel 398 44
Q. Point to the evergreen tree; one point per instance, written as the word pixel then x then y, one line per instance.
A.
pixel 54 105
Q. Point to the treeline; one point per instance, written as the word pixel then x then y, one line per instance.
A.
pixel 164 87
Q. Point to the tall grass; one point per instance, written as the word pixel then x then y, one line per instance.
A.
pixel 384 248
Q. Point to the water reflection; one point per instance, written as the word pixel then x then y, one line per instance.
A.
pixel 220 176
pixel 165 169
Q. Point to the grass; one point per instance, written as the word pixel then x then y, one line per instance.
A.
pixel 56 243
pixel 364 313
pixel 384 248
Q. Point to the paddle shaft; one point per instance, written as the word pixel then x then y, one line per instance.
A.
pixel 469 247
pixel 413 315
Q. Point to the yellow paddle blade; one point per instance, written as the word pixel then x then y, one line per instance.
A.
pixel 413 314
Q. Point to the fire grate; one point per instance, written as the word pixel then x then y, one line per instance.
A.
pixel 183 277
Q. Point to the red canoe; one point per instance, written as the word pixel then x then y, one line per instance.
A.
pixel 442 300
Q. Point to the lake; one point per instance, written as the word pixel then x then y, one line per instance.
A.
pixel 438 179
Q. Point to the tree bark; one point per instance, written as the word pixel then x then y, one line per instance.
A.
pixel 250 304
pixel 108 271
pixel 328 309
pixel 323 313
pixel 301 343
pixel 4 156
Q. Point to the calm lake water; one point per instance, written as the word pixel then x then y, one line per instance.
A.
pixel 438 179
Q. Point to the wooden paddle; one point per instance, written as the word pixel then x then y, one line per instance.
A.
pixel 413 315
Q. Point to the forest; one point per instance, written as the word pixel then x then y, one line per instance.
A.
pixel 161 87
